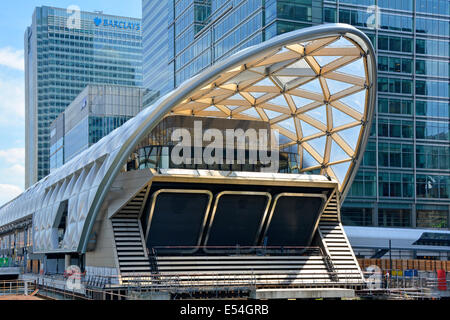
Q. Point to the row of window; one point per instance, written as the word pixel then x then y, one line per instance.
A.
pixel 423 46
pixel 405 107
pixel 237 36
pixel 404 86
pixel 72 33
pixel 399 185
pixel 91 44
pixel 425 218
pixel 72 64
pixel 401 155
pixel 423 67
pixel 293 10
pixel 430 130
pixel 86 59
pixel 17 240
pixel 440 7
pixel 101 34
pixel 432 26
pixel 364 18
pixel 194 50
pixel 133 54
pixel 102 126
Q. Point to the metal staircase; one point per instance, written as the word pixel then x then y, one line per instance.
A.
pixel 342 260
pixel 132 257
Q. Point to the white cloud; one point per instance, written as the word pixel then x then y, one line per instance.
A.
pixel 8 192
pixel 13 175
pixel 12 102
pixel 13 156
pixel 12 58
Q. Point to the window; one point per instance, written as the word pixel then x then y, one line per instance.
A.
pixel 432 130
pixel 394 85
pixel 398 44
pixel 395 185
pixel 329 15
pixel 432 88
pixel 432 157
pixel 432 186
pixel 364 184
pixel 395 128
pixel 394 218
pixel 432 68
pixel 432 109
pixel 395 155
pixel 394 106
pixel 370 155
pixel 432 219
pixel 357 216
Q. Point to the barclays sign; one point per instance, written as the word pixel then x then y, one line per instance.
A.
pixel 117 24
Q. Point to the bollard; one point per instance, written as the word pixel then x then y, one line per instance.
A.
pixel 25 288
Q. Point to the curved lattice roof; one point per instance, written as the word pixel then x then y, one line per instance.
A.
pixel 316 86
pixel 314 93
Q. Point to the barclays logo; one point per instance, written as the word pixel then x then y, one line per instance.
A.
pixel 117 24
pixel 98 21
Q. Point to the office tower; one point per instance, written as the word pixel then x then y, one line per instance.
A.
pixel 95 112
pixel 404 179
pixel 66 50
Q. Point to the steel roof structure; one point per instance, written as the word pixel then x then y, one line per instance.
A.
pixel 316 86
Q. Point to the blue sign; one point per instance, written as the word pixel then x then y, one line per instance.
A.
pixel 117 24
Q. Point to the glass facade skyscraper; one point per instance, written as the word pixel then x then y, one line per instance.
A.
pixel 95 112
pixel 65 51
pixel 404 179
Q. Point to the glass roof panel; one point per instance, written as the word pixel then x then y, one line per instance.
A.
pixel 337 153
pixel 280 101
pixel 355 68
pixel 272 114
pixel 340 118
pixel 324 60
pixel 256 95
pixel 340 170
pixel 356 101
pixel 337 86
pixel 251 112
pixel 265 82
pixel 288 124
pixel 341 43
pixel 300 102
pixel 307 129
pixel 283 80
pixel 351 136
pixel 319 113
pixel 308 160
pixel 319 145
pixel 313 86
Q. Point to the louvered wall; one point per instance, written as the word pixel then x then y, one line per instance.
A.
pixel 336 244
pixel 131 251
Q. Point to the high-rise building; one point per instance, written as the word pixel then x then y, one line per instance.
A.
pixel 404 179
pixel 66 50
pixel 95 112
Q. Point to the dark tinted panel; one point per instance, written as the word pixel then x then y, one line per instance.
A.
pixel 177 219
pixel 237 220
pixel 293 221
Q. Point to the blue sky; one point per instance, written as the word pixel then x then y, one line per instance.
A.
pixel 15 16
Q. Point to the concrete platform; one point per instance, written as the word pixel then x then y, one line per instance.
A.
pixel 9 271
pixel 308 293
